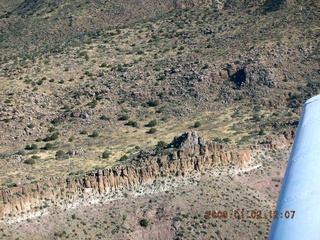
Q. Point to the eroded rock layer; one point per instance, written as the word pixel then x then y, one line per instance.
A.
pixel 185 154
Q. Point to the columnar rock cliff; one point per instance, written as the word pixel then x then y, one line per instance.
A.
pixel 185 154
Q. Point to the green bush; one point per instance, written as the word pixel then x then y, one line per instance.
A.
pixel 226 140
pixel 123 158
pixel 48 146
pixel 60 154
pixel 31 125
pixel 105 154
pixel 144 223
pixel 123 117
pixel 104 117
pixel 152 123
pixel 30 161
pixel 56 121
pixel 95 134
pixel 32 147
pixel 132 123
pixel 162 144
pixel 152 130
pixel 21 152
pixel 51 129
pixel 51 137
pixel 153 103
pixel 84 132
pixel 93 103
pixel 197 124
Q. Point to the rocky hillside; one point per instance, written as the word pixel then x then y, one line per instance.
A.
pixel 97 85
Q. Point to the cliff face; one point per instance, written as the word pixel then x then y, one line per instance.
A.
pixel 188 153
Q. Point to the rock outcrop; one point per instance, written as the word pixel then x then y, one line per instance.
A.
pixel 187 153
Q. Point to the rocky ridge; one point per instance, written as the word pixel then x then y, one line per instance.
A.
pixel 187 153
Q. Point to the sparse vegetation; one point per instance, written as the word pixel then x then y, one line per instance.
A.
pixel 217 62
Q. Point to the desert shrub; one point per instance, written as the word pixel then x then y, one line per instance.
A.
pixel 60 154
pixel 256 118
pixel 161 77
pixel 153 103
pixel 123 117
pixel 144 222
pixel 226 140
pixel 206 66
pixel 162 144
pixel 48 146
pixel 105 154
pixel 51 129
pixel 52 137
pixel 83 132
pixel 30 161
pixel 152 130
pixel 197 124
pixel 31 125
pixel 56 121
pixel 95 134
pixel 104 117
pixel 152 123
pixel 21 152
pixel 103 65
pixel 132 123
pixel 32 147
pixel 93 104
pixel 123 158
pixel 261 132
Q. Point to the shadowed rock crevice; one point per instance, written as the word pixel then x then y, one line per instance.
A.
pixel 273 5
pixel 239 78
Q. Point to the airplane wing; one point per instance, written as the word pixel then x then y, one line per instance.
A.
pixel 297 214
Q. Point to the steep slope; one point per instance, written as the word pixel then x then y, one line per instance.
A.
pixel 239 74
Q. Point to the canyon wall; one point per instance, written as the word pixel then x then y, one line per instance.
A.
pixel 186 154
